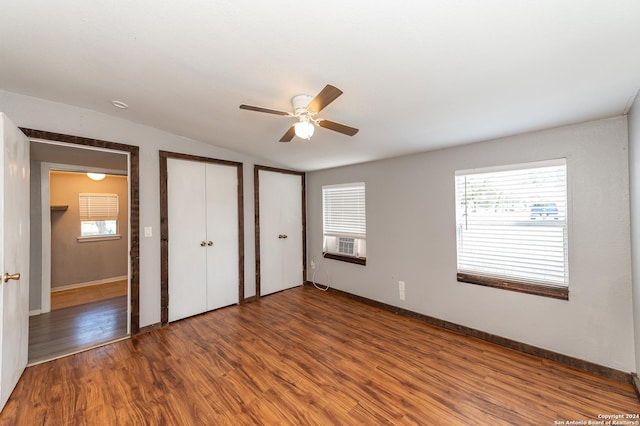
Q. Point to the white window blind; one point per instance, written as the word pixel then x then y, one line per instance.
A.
pixel 344 210
pixel 512 223
pixel 98 206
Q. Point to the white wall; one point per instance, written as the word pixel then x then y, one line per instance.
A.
pixel 40 114
pixel 411 237
pixel 634 172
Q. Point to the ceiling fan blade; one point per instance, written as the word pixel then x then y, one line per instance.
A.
pixel 289 135
pixel 267 110
pixel 324 98
pixel 337 127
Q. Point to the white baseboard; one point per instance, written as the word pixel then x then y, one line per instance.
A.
pixel 35 312
pixel 88 283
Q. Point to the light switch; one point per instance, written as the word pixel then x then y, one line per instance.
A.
pixel 147 232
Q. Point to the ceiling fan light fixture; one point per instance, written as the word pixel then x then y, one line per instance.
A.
pixel 304 129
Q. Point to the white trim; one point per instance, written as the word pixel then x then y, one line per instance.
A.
pixel 35 312
pixel 45 297
pixel 88 283
pixel 45 167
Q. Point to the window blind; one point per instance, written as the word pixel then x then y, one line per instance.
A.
pixel 98 206
pixel 344 210
pixel 512 223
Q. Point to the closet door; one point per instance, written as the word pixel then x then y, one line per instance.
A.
pixel 281 242
pixel 222 236
pixel 203 256
pixel 186 189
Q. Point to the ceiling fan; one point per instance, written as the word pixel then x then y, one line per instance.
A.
pixel 305 109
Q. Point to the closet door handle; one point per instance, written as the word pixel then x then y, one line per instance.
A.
pixel 282 236
pixel 210 243
pixel 202 244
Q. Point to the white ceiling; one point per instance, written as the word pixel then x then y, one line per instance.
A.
pixel 416 75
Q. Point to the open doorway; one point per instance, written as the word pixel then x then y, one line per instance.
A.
pixel 84 290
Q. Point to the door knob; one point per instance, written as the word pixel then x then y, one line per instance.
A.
pixel 284 236
pixel 202 244
pixel 8 276
pixel 210 243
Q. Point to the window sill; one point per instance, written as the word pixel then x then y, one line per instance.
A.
pixel 343 258
pixel 92 238
pixel 536 289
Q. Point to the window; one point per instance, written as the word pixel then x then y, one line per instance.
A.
pixel 98 215
pixel 344 222
pixel 512 227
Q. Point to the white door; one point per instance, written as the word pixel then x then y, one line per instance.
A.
pixel 14 258
pixel 203 237
pixel 222 236
pixel 187 238
pixel 280 231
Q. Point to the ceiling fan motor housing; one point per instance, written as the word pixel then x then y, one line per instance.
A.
pixel 300 103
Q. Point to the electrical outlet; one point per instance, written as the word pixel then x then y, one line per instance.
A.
pixel 401 289
pixel 147 232
pixel 313 265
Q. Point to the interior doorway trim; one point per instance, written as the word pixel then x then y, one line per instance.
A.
pixel 134 206
pixel 256 198
pixel 45 168
pixel 164 226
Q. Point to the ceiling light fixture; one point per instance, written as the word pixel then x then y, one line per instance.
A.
pixel 304 129
pixel 119 104
pixel 96 176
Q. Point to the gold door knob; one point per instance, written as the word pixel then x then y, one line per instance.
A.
pixel 210 243
pixel 202 244
pixel 8 276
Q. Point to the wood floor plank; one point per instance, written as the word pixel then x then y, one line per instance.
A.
pixel 83 295
pixel 73 328
pixel 307 357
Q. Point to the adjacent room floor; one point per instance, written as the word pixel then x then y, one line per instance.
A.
pixel 303 356
pixel 79 318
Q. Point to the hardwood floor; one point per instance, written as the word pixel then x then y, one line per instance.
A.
pixel 67 330
pixel 83 295
pixel 307 357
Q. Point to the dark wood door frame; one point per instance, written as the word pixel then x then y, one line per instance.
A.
pixel 134 205
pixel 256 190
pixel 164 226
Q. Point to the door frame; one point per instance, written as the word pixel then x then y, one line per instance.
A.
pixel 164 226
pixel 45 218
pixel 256 198
pixel 134 207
